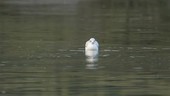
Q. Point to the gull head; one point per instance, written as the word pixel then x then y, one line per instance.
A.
pixel 92 40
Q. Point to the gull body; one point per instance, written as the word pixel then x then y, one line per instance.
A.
pixel 91 48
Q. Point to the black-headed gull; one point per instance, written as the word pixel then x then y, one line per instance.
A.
pixel 91 48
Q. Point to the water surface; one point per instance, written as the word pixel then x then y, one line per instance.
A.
pixel 42 48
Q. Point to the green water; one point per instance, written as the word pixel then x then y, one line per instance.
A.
pixel 42 48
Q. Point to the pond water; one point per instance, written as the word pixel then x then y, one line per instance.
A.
pixel 42 48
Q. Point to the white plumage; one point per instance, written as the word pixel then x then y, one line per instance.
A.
pixel 92 44
pixel 91 48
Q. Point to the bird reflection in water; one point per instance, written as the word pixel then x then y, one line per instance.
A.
pixel 91 60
